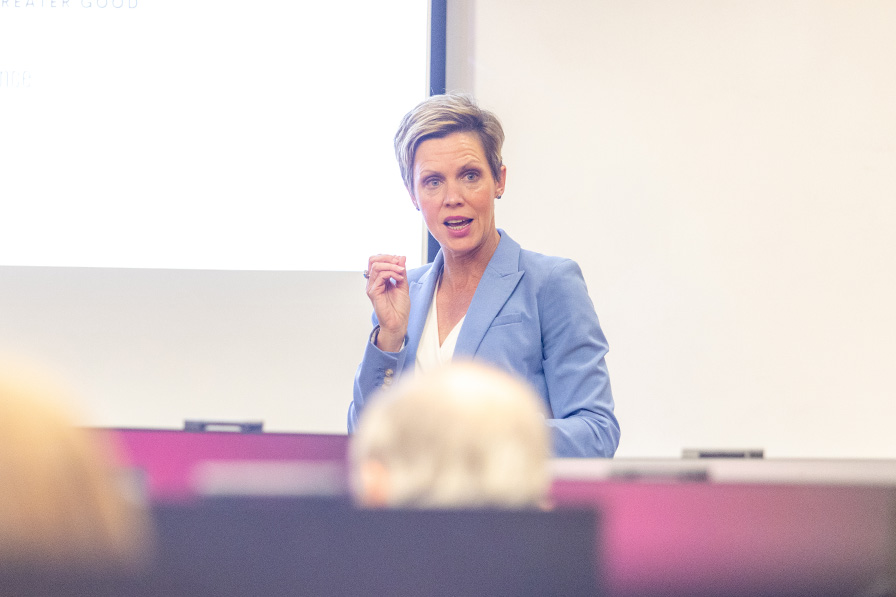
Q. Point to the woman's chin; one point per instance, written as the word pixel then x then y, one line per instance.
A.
pixel 465 245
pixel 460 250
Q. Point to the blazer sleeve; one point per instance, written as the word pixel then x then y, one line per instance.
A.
pixel 377 369
pixel 575 370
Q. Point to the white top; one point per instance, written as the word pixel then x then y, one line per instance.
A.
pixel 430 355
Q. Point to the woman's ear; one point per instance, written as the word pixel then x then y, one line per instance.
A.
pixel 502 182
pixel 414 200
pixel 374 484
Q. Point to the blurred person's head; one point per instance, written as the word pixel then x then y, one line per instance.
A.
pixel 465 435
pixel 63 501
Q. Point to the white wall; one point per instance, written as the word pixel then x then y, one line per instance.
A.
pixel 725 173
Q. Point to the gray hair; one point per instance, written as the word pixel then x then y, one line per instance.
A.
pixel 440 116
pixel 464 435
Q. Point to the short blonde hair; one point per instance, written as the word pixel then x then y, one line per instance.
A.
pixel 439 116
pixel 62 500
pixel 465 435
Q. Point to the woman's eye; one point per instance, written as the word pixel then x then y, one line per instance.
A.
pixel 433 183
pixel 471 176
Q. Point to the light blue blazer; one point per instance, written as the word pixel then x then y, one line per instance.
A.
pixel 531 315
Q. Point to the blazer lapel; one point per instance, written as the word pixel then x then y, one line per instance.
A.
pixel 421 293
pixel 497 284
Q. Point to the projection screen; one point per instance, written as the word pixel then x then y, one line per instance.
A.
pixel 206 135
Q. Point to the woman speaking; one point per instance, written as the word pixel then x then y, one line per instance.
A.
pixel 483 297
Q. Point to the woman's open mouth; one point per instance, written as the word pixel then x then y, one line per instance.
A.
pixel 458 223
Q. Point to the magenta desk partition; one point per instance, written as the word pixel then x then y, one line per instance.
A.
pixel 700 538
pixel 167 460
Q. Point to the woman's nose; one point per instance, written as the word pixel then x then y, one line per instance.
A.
pixel 453 194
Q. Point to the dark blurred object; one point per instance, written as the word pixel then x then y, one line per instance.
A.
pixel 723 453
pixel 231 426
pixel 326 547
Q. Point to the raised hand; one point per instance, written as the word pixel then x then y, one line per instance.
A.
pixel 387 289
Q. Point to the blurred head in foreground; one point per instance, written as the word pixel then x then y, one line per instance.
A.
pixel 62 500
pixel 462 436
